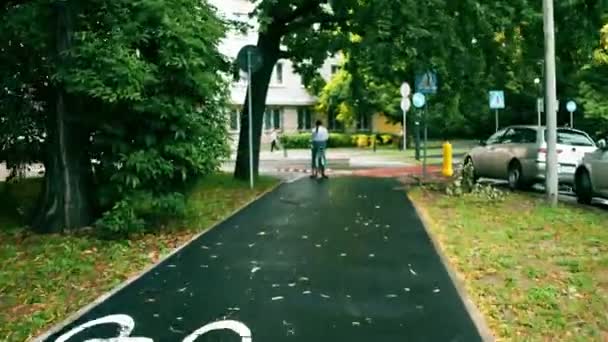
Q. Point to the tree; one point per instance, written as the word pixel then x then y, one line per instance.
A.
pixel 131 85
pixel 594 86
pixel 306 28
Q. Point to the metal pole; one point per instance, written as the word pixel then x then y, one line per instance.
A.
pixel 418 137
pixel 571 119
pixel 538 112
pixel 404 131
pixel 250 121
pixel 496 117
pixel 551 96
pixel 425 143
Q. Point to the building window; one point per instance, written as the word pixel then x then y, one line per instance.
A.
pixel 304 119
pixel 279 73
pixel 334 69
pixel 363 123
pixel 333 123
pixel 234 119
pixel 272 118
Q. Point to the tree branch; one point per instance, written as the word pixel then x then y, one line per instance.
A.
pixel 320 19
pixel 309 7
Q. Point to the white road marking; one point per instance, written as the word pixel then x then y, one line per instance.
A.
pixel 125 323
pixel 277 298
pixel 241 329
pixel 411 269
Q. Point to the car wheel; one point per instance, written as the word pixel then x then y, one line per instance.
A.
pixel 584 191
pixel 515 176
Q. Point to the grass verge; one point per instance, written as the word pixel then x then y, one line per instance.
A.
pixel 45 278
pixel 537 273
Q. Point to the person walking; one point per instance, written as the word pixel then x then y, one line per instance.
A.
pixel 274 140
pixel 320 135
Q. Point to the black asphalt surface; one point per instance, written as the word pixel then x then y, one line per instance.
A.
pixel 345 259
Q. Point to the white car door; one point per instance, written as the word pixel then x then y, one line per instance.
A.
pixel 483 158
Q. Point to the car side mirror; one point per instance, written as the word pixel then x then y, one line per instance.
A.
pixel 602 144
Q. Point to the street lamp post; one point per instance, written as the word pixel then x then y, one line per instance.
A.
pixel 551 102
pixel 538 101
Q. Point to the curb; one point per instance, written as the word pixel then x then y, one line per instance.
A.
pixel 84 310
pixel 457 279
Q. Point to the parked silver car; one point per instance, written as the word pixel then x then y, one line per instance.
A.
pixel 591 179
pixel 518 154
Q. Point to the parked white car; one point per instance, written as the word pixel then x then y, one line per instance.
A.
pixel 519 153
pixel 591 179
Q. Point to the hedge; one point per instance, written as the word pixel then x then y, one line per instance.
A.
pixel 302 140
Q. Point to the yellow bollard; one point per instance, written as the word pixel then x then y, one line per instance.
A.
pixel 448 171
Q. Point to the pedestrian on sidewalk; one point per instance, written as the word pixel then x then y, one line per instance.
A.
pixel 320 135
pixel 274 140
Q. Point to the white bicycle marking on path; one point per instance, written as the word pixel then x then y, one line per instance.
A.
pixel 126 325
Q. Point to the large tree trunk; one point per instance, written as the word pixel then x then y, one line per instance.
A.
pixel 64 202
pixel 269 44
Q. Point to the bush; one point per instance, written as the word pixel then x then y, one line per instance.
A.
pixel 301 140
pixel 342 140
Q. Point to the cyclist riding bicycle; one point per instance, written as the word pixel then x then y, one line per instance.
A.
pixel 320 135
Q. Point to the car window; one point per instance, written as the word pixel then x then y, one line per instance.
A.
pixel 509 137
pixel 526 135
pixel 495 138
pixel 572 138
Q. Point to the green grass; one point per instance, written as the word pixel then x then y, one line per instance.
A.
pixel 45 278
pixel 537 273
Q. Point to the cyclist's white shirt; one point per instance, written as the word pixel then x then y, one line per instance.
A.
pixel 320 135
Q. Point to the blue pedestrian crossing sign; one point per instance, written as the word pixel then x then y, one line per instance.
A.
pixel 497 99
pixel 426 83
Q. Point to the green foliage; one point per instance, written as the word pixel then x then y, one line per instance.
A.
pixel 336 96
pixel 594 86
pixel 146 80
pixel 465 185
pixel 338 140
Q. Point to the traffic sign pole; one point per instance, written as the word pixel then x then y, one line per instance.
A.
pixel 572 119
pixel 250 121
pixel 571 106
pixel 426 141
pixel 497 123
pixel 250 60
pixel 404 131
pixel 419 102
pixel 405 106
pixel 418 138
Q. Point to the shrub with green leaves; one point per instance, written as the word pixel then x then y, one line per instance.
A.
pixel 146 84
pixel 337 140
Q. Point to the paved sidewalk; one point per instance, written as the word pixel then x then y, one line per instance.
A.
pixel 341 260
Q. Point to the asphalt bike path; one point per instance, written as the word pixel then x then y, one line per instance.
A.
pixel 345 259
